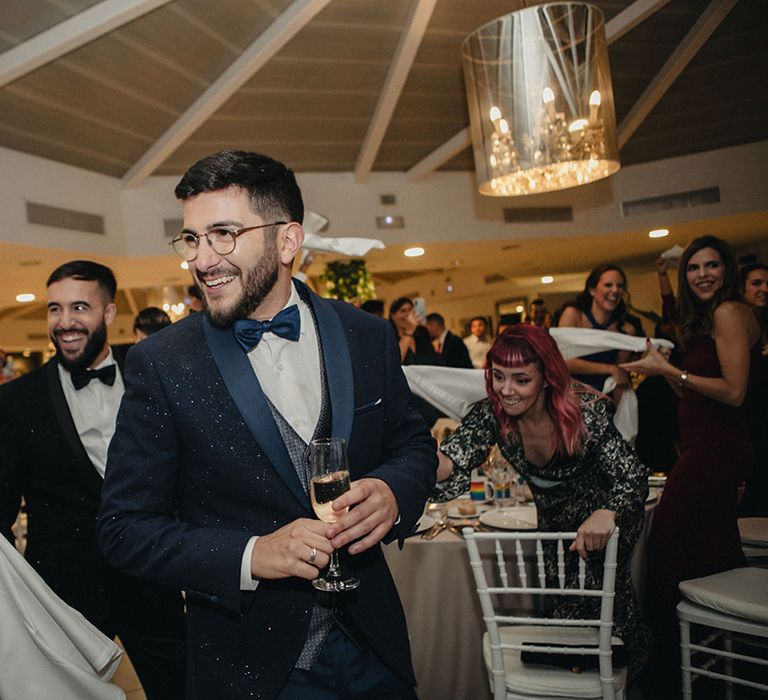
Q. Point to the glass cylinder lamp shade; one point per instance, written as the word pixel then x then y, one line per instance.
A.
pixel 540 100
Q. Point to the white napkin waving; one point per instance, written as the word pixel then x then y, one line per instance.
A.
pixel 576 342
pixel 673 253
pixel 353 247
pixel 48 649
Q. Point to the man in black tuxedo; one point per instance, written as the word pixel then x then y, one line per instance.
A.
pixel 207 484
pixel 57 423
pixel 450 349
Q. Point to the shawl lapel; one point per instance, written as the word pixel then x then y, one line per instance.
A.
pixel 246 392
pixel 63 417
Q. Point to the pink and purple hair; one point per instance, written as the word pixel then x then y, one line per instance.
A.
pixel 523 345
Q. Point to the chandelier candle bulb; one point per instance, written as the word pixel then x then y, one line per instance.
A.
pixel 540 100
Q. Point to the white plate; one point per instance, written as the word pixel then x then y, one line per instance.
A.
pixel 516 518
pixel 426 521
pixel 454 512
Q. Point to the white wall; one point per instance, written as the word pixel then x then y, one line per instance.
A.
pixel 444 207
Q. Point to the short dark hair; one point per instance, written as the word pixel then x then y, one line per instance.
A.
pixel 271 187
pixel 373 306
pixel 537 302
pixel 150 320
pixel 88 271
pixel 478 318
pixel 435 318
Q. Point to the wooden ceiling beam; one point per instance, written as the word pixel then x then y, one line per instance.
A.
pixel 629 18
pixel 253 59
pixel 626 20
pixel 441 155
pixel 410 40
pixel 71 34
pixel 709 20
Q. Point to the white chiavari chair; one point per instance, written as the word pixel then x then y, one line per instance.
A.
pixel 508 635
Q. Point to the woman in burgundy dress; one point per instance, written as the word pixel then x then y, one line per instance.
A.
pixel 694 530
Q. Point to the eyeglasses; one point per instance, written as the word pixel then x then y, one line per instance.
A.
pixel 222 240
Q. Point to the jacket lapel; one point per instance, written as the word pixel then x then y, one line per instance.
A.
pixel 246 392
pixel 338 364
pixel 68 430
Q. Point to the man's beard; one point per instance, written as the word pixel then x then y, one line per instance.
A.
pixel 257 283
pixel 97 339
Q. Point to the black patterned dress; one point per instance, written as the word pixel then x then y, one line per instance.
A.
pixel 567 491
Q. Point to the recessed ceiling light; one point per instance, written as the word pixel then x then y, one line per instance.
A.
pixel 25 297
pixel 414 252
pixel 658 233
pixel 519 308
pixel 389 221
pixel 184 265
pixel 547 279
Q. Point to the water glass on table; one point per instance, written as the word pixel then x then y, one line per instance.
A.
pixel 504 480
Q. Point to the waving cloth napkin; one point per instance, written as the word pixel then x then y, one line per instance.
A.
pixel 354 247
pixel 47 649
pixel 453 391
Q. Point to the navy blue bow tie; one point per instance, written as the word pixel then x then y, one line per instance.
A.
pixel 81 378
pixel 286 324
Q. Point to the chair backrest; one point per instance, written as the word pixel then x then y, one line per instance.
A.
pixel 513 569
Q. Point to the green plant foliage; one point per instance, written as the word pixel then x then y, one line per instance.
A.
pixel 348 280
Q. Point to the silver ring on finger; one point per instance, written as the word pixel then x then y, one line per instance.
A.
pixel 312 556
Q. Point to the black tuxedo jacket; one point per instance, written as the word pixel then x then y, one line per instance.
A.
pixel 197 466
pixel 43 460
pixel 454 353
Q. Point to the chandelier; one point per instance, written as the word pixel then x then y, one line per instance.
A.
pixel 540 100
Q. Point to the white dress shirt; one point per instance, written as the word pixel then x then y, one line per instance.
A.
pixel 94 411
pixel 478 349
pixel 289 374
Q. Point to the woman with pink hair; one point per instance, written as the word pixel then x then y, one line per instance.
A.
pixel 559 435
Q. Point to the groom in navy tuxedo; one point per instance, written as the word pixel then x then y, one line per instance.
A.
pixel 206 485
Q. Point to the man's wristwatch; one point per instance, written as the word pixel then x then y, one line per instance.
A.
pixel 683 378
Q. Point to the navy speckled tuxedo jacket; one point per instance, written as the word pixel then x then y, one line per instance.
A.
pixel 197 466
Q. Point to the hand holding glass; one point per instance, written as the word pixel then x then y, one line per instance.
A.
pixel 329 479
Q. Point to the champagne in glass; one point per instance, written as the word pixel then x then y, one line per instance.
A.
pixel 329 479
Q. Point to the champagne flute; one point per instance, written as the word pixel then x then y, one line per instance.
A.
pixel 329 479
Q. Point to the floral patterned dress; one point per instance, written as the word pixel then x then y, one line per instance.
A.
pixel 567 490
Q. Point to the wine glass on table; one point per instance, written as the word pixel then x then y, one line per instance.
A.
pixel 329 479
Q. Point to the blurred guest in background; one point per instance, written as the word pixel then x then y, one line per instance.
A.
pixel 694 527
pixel 149 321
pixel 601 305
pixel 195 299
pixel 449 348
pixel 753 283
pixel 415 343
pixel 7 373
pixel 476 342
pixel 538 315
pixel 415 349
pixel 559 435
pixel 373 306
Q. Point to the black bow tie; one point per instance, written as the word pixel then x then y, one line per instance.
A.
pixel 81 377
pixel 286 324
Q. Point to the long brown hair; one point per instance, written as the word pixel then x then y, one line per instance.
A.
pixel 696 317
